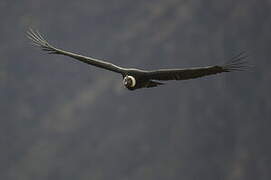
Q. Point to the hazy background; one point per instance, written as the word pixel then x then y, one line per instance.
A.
pixel 65 120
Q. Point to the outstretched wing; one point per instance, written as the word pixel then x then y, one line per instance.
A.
pixel 237 63
pixel 38 40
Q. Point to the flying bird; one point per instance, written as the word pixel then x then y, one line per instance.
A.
pixel 137 78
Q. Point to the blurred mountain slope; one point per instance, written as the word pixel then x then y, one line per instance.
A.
pixel 61 119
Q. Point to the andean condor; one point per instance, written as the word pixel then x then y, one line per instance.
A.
pixel 137 78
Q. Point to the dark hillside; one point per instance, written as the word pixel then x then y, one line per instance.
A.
pixel 64 120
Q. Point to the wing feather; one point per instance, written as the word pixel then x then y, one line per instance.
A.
pixel 237 63
pixel 38 40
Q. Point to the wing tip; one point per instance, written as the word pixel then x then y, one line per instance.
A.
pixel 237 63
pixel 38 40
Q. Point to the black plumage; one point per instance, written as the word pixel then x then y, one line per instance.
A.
pixel 136 78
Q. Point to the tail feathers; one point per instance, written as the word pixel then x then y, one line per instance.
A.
pixel 153 84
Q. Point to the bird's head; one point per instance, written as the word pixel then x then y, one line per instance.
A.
pixel 129 81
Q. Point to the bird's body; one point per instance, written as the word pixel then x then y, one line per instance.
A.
pixel 136 78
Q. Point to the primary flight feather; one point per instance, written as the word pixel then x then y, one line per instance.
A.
pixel 136 78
